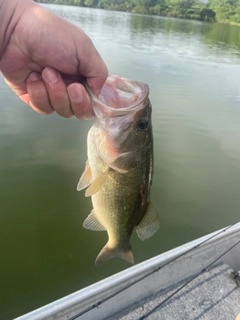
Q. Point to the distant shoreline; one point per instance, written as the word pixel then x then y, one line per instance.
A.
pixel 195 10
pixel 213 11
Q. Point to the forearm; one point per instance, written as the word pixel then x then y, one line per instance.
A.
pixel 10 13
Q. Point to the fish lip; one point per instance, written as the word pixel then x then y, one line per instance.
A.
pixel 100 106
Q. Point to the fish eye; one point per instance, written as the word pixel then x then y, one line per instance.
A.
pixel 143 124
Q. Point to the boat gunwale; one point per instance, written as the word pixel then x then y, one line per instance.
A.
pixel 94 295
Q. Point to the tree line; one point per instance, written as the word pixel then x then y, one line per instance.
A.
pixel 226 11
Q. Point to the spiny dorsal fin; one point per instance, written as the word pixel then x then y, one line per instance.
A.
pixel 86 178
pixel 108 252
pixel 149 223
pixel 96 184
pixel 92 223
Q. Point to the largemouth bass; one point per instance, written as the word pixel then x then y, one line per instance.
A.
pixel 119 168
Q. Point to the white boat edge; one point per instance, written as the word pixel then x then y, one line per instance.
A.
pixel 107 297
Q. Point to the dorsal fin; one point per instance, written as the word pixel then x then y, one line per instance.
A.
pixel 86 178
pixel 149 223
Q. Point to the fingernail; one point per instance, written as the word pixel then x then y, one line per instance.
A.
pixel 75 93
pixel 51 75
pixel 34 76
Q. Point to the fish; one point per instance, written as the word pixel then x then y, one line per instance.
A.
pixel 119 169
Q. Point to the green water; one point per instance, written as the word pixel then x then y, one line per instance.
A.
pixel 193 72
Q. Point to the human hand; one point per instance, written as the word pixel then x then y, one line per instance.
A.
pixel 45 59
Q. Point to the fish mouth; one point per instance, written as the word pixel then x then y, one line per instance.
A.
pixel 119 97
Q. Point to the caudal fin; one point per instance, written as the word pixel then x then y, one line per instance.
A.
pixel 107 253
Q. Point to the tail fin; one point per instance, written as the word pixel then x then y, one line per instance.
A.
pixel 107 253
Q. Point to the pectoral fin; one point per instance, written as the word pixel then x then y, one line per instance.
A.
pixel 92 223
pixel 149 223
pixel 97 183
pixel 86 178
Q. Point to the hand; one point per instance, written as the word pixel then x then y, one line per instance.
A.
pixel 45 60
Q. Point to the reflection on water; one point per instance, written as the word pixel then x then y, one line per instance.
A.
pixel 193 72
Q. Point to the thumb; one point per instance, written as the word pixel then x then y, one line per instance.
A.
pixel 93 68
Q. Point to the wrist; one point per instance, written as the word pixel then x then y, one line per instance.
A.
pixel 10 13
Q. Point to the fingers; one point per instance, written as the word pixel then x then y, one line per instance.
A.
pixel 48 93
pixel 37 96
pixel 80 101
pixel 57 92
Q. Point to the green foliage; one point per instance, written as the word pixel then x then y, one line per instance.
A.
pixel 226 11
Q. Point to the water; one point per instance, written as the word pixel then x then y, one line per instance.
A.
pixel 193 70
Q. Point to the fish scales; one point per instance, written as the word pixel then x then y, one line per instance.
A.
pixel 120 166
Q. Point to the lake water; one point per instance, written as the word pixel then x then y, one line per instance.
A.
pixel 193 71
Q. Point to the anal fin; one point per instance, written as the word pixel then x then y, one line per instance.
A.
pixel 149 223
pixel 92 223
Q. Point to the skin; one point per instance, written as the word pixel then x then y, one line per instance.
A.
pixel 43 59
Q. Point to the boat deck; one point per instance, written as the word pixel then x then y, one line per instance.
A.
pixel 212 295
pixel 191 282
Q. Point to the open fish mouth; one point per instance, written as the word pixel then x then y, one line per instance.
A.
pixel 119 97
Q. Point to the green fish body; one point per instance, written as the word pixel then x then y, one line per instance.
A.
pixel 119 169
